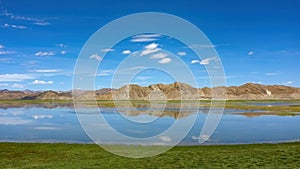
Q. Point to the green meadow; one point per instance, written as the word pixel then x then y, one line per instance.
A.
pixel 72 156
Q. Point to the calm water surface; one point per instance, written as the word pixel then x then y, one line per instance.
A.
pixel 61 125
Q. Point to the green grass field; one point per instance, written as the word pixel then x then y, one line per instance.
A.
pixel 42 155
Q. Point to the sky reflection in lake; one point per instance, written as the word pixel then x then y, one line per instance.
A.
pixel 62 125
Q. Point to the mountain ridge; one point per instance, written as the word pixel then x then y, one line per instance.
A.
pixel 173 91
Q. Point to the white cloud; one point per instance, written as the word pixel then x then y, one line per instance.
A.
pixel 44 53
pixel 42 82
pixel 6 52
pixel 151 48
pixel 47 70
pixel 14 26
pixel 63 52
pixel 250 53
pixel 271 74
pixel 1 46
pixel 4 84
pixel 195 61
pixel 15 77
pixel 145 38
pixel 16 85
pixel 259 82
pixel 5 60
pixel 61 45
pixel 101 74
pixel 37 21
pixel 135 68
pixel 181 53
pixel 165 60
pixel 165 139
pixel 159 56
pixel 206 61
pixel 200 46
pixel 31 62
pixel 143 78
pixel 288 83
pixel 42 23
pixel 126 52
pixel 107 71
pixel 96 56
pixel 107 50
pixel 149 51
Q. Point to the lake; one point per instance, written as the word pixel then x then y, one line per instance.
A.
pixel 60 124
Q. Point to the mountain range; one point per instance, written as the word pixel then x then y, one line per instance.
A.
pixel 174 91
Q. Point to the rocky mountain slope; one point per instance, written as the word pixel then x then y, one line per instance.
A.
pixel 175 91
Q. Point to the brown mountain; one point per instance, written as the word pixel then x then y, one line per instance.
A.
pixel 175 91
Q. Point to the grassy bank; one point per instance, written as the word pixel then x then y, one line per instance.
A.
pixel 233 104
pixel 40 155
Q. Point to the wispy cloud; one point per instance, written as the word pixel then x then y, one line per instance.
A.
pixel 15 77
pixel 42 82
pixel 195 61
pixel 145 38
pixel 205 61
pixel 14 26
pixel 30 63
pixel 272 74
pixel 46 70
pixel 16 85
pixel 63 52
pixel 181 53
pixel 151 48
pixel 40 53
pixel 6 52
pixel 159 55
pixel 143 78
pixel 42 23
pixel 107 50
pixel 200 46
pixel 126 52
pixel 4 84
pixel 101 74
pixel 35 21
pixel 136 68
pixel 96 56
pixel 165 60
pixel 1 46
pixel 288 83
pixel 5 60
pixel 251 53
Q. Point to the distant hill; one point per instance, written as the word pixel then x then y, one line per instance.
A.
pixel 175 91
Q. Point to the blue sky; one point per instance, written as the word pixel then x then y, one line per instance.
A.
pixel 257 41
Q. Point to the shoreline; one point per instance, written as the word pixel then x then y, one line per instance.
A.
pixel 145 145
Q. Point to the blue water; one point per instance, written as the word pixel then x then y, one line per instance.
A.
pixel 62 125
